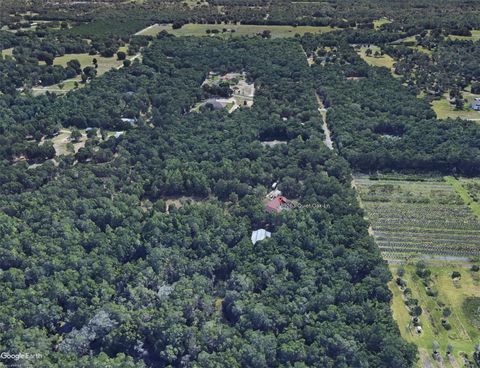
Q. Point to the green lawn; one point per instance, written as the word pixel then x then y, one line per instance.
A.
pixel 240 30
pixel 422 49
pixel 377 23
pixel 382 61
pixel 445 110
pixel 462 336
pixel 474 37
pixel 104 64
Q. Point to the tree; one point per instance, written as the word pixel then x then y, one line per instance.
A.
pixel 75 65
pixel 121 55
pixel 266 34
pixel 475 89
pixel 75 135
pixel 177 25
pixel 456 275
pixel 446 312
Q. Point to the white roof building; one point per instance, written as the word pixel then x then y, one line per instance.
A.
pixel 260 234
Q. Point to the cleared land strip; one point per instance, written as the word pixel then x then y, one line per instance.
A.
pixel 232 30
pixel 323 112
pixel 419 219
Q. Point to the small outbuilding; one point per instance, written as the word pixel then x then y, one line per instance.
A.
pixel 260 234
pixel 475 105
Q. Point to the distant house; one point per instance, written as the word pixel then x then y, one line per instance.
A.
pixel 260 234
pixel 131 121
pixel 118 134
pixel 475 105
pixel 278 205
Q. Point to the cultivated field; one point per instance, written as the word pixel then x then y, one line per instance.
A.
pixel 239 30
pixel 419 219
pixel 447 316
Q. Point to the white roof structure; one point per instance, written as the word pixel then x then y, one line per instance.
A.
pixel 274 194
pixel 260 234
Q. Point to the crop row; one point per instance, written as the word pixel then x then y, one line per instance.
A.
pixel 429 237
pixel 455 247
pixel 434 242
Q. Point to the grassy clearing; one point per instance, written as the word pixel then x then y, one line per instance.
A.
pixel 240 30
pixel 385 60
pixel 104 63
pixel 474 37
pixel 7 52
pixel 380 22
pixel 62 140
pixel 444 109
pixel 422 49
pixel 463 336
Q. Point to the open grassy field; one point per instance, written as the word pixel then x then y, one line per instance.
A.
pixel 381 61
pixel 435 293
pixel 474 37
pixel 414 219
pixel 104 65
pixel 444 109
pixel 377 23
pixel 240 30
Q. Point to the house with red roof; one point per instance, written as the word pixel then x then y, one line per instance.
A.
pixel 278 204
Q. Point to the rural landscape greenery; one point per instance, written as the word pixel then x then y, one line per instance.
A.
pixel 146 145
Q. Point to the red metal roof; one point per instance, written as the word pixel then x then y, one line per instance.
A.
pixel 275 204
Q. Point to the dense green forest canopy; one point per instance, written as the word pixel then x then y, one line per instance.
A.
pixel 95 269
pixel 386 128
pixel 134 249
pixel 120 17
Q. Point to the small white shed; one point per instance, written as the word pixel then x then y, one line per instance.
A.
pixel 260 234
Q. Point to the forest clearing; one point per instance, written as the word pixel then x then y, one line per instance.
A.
pixel 232 30
pixel 240 184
